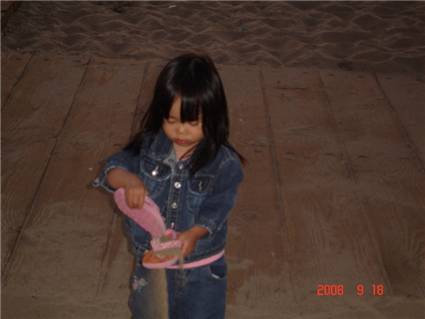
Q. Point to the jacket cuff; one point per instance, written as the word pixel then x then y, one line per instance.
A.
pixel 100 181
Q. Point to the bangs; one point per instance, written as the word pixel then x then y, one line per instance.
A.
pixel 190 109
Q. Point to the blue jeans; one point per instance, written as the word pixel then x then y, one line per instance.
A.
pixel 139 302
pixel 198 293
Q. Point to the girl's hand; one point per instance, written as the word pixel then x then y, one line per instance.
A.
pixel 190 237
pixel 135 193
pixel 135 190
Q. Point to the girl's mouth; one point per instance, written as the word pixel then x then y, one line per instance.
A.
pixel 182 142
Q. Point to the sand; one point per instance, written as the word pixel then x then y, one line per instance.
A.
pixel 380 36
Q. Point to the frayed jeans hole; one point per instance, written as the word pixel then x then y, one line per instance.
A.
pixel 137 284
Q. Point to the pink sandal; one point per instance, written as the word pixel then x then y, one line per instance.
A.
pixel 166 248
pixel 165 245
pixel 148 217
pixel 165 251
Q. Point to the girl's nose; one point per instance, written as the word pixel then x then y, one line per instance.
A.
pixel 180 128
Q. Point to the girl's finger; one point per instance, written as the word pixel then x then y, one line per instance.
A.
pixel 133 200
pixel 185 248
pixel 141 200
pixel 127 198
pixel 143 196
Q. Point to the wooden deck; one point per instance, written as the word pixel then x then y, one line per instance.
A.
pixel 334 190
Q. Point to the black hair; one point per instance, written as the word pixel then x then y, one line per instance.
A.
pixel 193 78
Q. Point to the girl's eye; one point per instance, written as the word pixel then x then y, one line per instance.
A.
pixel 171 120
pixel 194 123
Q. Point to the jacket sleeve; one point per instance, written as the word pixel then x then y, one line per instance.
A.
pixel 215 209
pixel 124 160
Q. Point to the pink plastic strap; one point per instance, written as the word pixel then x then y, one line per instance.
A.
pixel 148 217
pixel 198 263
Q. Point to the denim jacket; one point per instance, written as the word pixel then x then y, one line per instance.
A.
pixel 204 199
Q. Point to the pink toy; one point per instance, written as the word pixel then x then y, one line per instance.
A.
pixel 165 245
pixel 165 251
pixel 148 217
pixel 166 248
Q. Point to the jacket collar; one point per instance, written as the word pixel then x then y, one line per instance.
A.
pixel 161 146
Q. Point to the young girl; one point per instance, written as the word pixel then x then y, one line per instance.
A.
pixel 183 161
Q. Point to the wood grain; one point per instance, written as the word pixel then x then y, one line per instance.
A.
pixel 405 96
pixel 258 282
pixel 34 113
pixel 329 238
pixel 51 250
pixel 13 66
pixel 389 175
pixel 333 191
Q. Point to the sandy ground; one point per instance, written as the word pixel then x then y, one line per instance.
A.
pixel 339 152
pixel 384 36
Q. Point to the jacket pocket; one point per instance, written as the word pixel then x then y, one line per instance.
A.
pixel 154 174
pixel 198 188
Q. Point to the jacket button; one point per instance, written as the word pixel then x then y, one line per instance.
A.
pixel 180 166
pixel 174 205
pixel 177 185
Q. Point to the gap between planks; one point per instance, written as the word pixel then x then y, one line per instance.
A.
pixel 20 76
pixel 277 176
pixel 403 131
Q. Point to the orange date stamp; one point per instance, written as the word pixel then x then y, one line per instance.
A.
pixel 335 290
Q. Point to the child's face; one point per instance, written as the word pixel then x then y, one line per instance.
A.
pixel 183 135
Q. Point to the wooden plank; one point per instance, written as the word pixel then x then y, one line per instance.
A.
pixel 406 96
pixel 63 243
pixel 329 239
pixel 389 177
pixel 258 281
pixel 117 263
pixel 13 65
pixel 33 116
